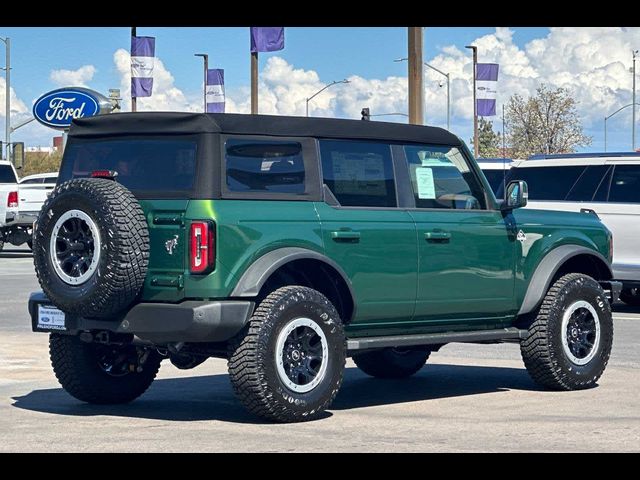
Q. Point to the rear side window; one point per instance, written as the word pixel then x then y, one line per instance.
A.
pixel 7 175
pixel 359 174
pixel 625 185
pixel 50 179
pixel 591 186
pixel 162 167
pixel 547 183
pixel 264 166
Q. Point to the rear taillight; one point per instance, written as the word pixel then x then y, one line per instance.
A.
pixel 12 200
pixel 203 247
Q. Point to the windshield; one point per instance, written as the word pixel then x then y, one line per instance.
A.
pixel 7 175
pixel 144 165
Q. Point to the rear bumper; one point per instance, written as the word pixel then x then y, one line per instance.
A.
pixel 626 272
pixel 26 218
pixel 190 321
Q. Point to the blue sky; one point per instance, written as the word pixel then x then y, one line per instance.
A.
pixel 321 55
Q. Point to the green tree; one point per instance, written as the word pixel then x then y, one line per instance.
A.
pixel 545 123
pixel 40 162
pixel 489 142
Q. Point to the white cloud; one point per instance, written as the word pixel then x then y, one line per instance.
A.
pixel 18 107
pixel 73 78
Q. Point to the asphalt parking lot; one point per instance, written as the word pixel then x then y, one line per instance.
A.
pixel 467 398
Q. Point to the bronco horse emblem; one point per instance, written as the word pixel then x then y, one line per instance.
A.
pixel 171 244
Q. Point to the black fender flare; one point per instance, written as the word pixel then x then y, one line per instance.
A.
pixel 254 277
pixel 548 267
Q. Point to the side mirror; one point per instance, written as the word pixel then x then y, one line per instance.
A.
pixel 517 195
pixel 17 155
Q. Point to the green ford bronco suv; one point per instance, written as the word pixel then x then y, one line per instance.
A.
pixel 285 245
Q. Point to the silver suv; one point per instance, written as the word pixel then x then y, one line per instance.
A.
pixel 607 184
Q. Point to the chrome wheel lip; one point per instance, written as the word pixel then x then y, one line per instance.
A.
pixel 57 264
pixel 566 318
pixel 280 352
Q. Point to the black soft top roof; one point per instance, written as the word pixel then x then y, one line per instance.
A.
pixel 185 123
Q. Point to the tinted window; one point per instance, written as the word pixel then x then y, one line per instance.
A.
pixel 360 174
pixel 6 174
pixel 592 177
pixel 31 181
pixel 264 166
pixel 143 164
pixel 441 178
pixel 547 183
pixel 625 185
pixel 495 178
pixel 50 179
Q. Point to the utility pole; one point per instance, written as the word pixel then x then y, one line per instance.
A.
pixel 633 115
pixel 474 49
pixel 416 87
pixel 7 95
pixel 205 57
pixel 134 100
pixel 254 83
pixel 504 150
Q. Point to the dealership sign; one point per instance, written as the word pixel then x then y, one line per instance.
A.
pixel 57 109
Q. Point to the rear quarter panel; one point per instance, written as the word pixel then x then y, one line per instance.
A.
pixel 546 230
pixel 246 230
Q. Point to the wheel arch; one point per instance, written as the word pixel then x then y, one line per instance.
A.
pixel 303 267
pixel 558 262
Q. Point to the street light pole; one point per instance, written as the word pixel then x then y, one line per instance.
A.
pixel 322 90
pixel 7 99
pixel 474 49
pixel 609 116
pixel 633 115
pixel 448 77
pixel 205 57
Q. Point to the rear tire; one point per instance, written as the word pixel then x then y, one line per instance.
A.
pixel 92 373
pixel 569 343
pixel 631 296
pixel 288 366
pixel 392 362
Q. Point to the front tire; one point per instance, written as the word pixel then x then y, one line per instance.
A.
pixel 569 343
pixel 289 364
pixel 392 362
pixel 101 374
pixel 631 296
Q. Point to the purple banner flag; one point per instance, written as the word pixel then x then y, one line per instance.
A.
pixel 267 39
pixel 486 79
pixel 142 57
pixel 215 90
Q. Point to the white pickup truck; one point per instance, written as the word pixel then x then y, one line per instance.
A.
pixel 20 203
pixel 8 200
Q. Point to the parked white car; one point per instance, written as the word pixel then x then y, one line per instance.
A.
pixel 607 184
pixel 8 200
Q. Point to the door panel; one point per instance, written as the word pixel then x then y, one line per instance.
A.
pixel 377 250
pixel 466 265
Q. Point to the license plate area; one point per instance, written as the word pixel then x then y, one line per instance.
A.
pixel 48 318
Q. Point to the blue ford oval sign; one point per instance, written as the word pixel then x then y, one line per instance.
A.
pixel 57 109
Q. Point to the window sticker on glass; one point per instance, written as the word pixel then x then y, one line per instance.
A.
pixel 426 185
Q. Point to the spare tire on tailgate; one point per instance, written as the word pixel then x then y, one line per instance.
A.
pixel 91 247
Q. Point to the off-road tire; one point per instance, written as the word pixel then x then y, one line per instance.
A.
pixel 543 351
pixel 77 369
pixel 630 296
pixel 252 362
pixel 124 253
pixel 391 362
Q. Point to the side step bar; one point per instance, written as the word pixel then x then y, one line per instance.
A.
pixel 367 343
